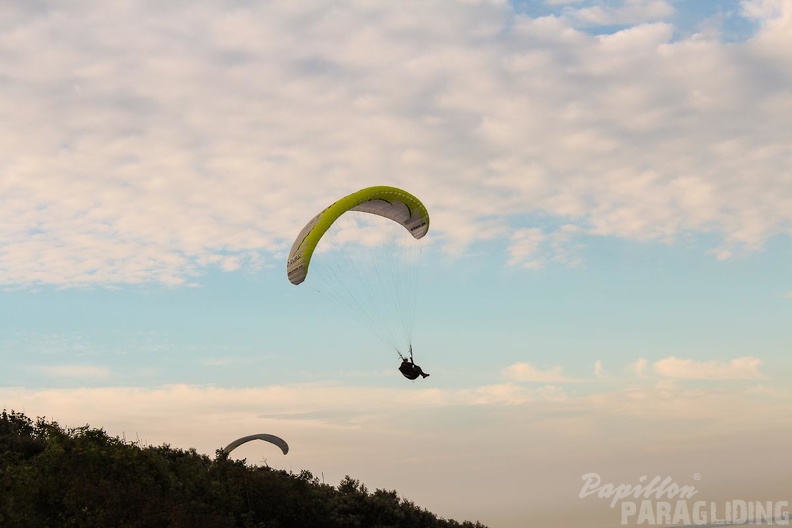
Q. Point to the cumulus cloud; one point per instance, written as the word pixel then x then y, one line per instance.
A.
pixel 146 145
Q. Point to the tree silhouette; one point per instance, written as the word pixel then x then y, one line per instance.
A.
pixel 82 477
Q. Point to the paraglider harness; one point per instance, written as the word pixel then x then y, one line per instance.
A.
pixel 408 368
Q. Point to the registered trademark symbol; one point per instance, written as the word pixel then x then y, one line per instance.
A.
pixel 696 476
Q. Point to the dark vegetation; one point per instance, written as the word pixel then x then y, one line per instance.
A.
pixel 52 476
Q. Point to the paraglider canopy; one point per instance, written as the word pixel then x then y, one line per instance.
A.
pixel 272 439
pixel 363 253
pixel 389 202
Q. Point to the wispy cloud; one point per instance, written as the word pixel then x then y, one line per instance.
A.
pixel 75 371
pixel 227 361
pixel 527 372
pixel 638 368
pixel 764 9
pixel 525 244
pixel 533 248
pixel 598 371
pixel 743 368
pixel 602 13
pixel 737 369
pixel 317 403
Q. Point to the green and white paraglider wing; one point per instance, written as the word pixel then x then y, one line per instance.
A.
pixel 362 258
pixel 389 202
pixel 272 439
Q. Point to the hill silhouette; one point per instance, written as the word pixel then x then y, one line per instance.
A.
pixel 82 477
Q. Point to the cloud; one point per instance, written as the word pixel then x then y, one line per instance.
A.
pixel 638 368
pixel 527 372
pixel 765 9
pixel 525 243
pixel 533 248
pixel 628 12
pixel 598 372
pixel 743 368
pixel 221 362
pixel 326 407
pixel 145 146
pixel 75 371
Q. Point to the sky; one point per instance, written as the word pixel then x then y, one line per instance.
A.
pixel 605 287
